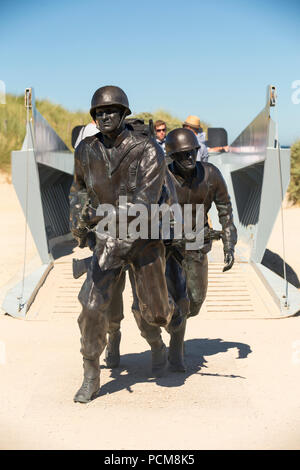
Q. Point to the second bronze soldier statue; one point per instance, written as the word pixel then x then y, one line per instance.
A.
pixel 195 183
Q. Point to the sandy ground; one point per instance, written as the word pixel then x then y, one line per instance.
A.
pixel 241 389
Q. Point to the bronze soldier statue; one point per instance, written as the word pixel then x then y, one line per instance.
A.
pixel 200 183
pixel 113 163
pixel 195 183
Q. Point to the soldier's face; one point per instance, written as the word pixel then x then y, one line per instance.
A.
pixel 108 118
pixel 186 160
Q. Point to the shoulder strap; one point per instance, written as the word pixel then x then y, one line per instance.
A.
pixel 124 164
pixel 131 164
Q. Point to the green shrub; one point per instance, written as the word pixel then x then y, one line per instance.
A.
pixel 13 123
pixel 294 187
pixel 12 128
pixel 62 120
pixel 171 121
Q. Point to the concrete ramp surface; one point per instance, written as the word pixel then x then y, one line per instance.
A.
pixel 237 294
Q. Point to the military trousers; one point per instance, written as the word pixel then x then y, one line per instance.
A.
pixel 195 266
pixel 101 295
pixel 188 290
pixel 178 295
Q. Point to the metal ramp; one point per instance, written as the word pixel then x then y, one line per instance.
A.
pixel 236 294
pixel 242 292
pixel 57 297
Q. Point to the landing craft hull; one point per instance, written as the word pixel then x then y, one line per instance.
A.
pixel 257 173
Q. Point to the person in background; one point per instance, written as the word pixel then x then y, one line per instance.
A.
pixel 193 123
pixel 86 131
pixel 160 131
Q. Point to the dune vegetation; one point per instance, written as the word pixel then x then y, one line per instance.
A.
pixel 13 126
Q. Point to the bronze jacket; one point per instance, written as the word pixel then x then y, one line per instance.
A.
pixel 206 186
pixel 135 167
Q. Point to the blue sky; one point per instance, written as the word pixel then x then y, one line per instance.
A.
pixel 213 59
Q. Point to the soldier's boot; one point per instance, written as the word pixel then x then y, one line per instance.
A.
pixel 91 381
pixel 159 358
pixel 176 350
pixel 112 352
pixel 179 316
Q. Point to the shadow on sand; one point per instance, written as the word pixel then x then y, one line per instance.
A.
pixel 275 263
pixel 63 249
pixel 138 366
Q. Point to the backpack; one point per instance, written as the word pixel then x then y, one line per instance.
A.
pixel 139 127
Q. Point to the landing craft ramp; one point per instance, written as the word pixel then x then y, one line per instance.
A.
pixel 237 294
pixel 42 173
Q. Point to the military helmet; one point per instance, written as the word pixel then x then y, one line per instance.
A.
pixel 181 140
pixel 109 96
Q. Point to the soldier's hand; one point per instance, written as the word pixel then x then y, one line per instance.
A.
pixel 228 260
pixel 91 240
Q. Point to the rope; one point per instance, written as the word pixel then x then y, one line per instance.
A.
pixel 282 218
pixel 20 298
pixel 282 230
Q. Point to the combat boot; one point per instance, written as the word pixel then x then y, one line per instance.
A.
pixel 179 316
pixel 112 352
pixel 91 381
pixel 159 358
pixel 176 350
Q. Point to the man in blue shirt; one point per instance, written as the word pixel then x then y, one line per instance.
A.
pixel 160 133
pixel 193 123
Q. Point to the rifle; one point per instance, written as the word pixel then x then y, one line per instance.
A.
pixel 151 129
pixel 82 223
pixel 81 266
